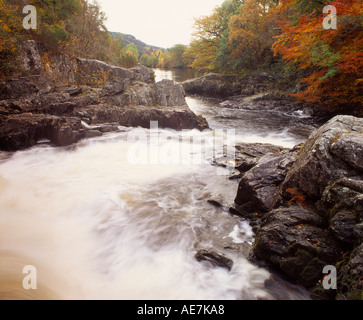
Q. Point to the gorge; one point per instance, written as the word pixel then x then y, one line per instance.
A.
pixel 99 227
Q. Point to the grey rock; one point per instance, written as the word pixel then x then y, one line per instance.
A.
pixel 169 94
pixel 259 187
pixel 324 159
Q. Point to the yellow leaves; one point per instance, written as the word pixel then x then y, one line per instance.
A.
pixel 201 54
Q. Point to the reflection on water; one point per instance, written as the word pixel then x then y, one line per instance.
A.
pixel 176 74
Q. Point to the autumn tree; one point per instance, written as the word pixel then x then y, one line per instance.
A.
pixel 176 58
pixel 252 33
pixel 331 58
pixel 53 17
pixel 10 24
pixel 149 60
pixel 203 49
pixel 209 50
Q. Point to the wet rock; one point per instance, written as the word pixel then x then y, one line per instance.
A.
pixel 214 258
pixel 325 176
pixel 25 130
pixel 108 127
pixel 293 240
pixel 92 133
pixel 258 189
pixel 342 226
pixel 342 206
pixel 350 275
pixel 247 155
pixel 126 97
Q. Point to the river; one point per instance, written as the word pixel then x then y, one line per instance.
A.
pixel 95 224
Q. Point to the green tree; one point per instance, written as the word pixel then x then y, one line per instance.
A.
pixel 176 59
pixel 132 48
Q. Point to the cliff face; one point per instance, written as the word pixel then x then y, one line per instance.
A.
pixel 63 94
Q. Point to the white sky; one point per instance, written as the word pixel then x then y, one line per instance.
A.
pixel 161 23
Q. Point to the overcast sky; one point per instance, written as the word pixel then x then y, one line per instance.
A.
pixel 160 23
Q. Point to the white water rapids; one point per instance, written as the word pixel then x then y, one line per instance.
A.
pixel 96 226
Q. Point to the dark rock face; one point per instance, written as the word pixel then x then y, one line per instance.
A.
pixel 24 130
pixel 306 207
pixel 34 108
pixel 258 189
pixel 292 240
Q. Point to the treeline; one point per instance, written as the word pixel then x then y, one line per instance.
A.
pixel 287 37
pixel 73 27
pixel 167 58
pixel 76 28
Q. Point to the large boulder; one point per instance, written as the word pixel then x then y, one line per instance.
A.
pixel 332 152
pixel 306 207
pixel 258 190
pixel 34 108
pixel 169 94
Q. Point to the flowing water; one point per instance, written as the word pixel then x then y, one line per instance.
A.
pixel 96 224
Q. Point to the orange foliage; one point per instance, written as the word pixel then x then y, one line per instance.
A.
pixel 9 24
pixel 334 56
pixel 298 198
pixel 252 31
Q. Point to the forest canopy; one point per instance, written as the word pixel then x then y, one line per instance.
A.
pixel 289 38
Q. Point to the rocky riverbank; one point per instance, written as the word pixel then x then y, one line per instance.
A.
pixel 65 100
pixel 260 92
pixel 306 208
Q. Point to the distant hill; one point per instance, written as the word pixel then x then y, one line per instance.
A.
pixel 128 38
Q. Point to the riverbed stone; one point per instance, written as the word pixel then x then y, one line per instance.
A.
pixel 214 258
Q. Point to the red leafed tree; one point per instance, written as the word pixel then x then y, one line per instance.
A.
pixel 332 58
